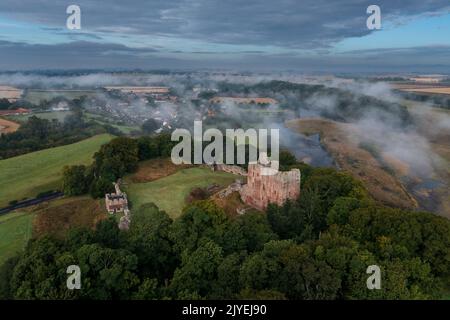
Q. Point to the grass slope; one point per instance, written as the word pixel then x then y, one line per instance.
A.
pixel 102 120
pixel 27 175
pixel 59 216
pixel 59 115
pixel 15 230
pixel 169 193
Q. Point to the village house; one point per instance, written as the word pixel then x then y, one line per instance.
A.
pixel 15 112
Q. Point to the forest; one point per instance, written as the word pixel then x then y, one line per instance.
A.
pixel 316 247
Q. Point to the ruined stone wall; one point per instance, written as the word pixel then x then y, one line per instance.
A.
pixel 230 169
pixel 261 190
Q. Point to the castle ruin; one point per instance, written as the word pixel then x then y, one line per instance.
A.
pixel 265 184
pixel 118 202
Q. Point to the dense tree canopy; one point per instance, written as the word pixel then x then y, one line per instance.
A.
pixel 315 247
pixel 318 247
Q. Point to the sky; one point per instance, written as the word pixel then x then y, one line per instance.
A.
pixel 292 35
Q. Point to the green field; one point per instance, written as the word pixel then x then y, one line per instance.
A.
pixel 35 96
pixel 59 115
pixel 15 230
pixel 27 175
pixel 169 193
pixel 101 120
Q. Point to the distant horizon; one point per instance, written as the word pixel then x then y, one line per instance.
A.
pixel 80 71
pixel 310 36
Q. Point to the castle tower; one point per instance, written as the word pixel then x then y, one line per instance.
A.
pixel 265 184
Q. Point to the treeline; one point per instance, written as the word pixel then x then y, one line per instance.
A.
pixel 332 103
pixel 43 104
pixel 440 100
pixel 121 156
pixel 317 247
pixel 37 134
pixel 5 104
pixel 113 161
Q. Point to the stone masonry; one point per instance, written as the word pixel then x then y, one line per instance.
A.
pixel 267 185
pixel 116 202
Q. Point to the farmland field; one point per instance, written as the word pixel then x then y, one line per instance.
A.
pixel 169 193
pixel 35 96
pixel 7 126
pixel 101 120
pixel 59 115
pixel 10 92
pixel 27 175
pixel 15 230
pixel 433 90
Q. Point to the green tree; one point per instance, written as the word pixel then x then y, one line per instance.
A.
pixel 151 125
pixel 198 270
pixel 107 273
pixel 74 180
pixel 148 238
pixel 148 148
pixel 255 230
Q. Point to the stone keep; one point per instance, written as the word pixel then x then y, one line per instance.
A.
pixel 265 184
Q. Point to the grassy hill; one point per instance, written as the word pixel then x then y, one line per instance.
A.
pixel 27 175
pixel 54 218
pixel 15 230
pixel 169 193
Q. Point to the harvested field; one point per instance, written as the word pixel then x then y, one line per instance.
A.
pixel 10 93
pixel 7 126
pixel 423 88
pixel 339 140
pixel 439 90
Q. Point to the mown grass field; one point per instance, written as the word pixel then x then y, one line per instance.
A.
pixel 59 115
pixel 169 193
pixel 27 175
pixel 15 230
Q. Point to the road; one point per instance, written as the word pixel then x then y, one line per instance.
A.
pixel 31 202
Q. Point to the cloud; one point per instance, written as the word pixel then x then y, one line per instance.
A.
pixel 98 55
pixel 285 23
pixel 75 55
pixel 229 34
